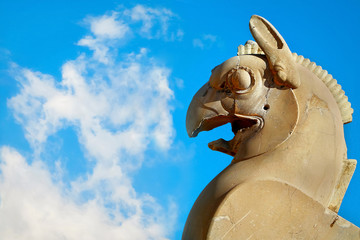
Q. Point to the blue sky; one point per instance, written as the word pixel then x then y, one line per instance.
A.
pixel 93 99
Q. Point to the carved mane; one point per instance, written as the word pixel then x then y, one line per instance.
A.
pixel 344 105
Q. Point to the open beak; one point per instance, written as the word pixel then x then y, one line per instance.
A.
pixel 206 112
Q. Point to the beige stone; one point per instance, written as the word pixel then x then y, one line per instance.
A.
pixel 290 169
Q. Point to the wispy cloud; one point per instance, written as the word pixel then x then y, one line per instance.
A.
pixel 155 22
pixel 120 108
pixel 117 26
pixel 108 26
pixel 205 41
pixel 106 32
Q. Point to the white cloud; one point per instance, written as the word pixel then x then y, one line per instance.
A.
pixel 207 40
pixel 101 50
pixel 155 22
pixel 111 29
pixel 108 27
pixel 106 31
pixel 119 109
pixel 34 207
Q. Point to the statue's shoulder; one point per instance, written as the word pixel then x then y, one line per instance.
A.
pixel 275 210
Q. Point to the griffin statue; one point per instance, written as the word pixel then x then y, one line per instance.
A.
pixel 290 169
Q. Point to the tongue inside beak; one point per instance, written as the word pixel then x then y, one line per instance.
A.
pixel 243 129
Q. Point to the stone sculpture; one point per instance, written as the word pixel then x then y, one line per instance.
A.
pixel 290 169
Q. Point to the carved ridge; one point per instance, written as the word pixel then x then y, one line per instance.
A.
pixel 342 101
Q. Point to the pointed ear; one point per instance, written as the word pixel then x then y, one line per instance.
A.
pixel 277 52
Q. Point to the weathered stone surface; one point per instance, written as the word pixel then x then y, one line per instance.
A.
pixel 274 210
pixel 290 169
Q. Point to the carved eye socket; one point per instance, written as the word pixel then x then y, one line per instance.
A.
pixel 240 80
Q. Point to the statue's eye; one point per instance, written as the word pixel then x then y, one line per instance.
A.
pixel 240 80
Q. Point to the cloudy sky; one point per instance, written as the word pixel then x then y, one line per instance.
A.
pixel 93 99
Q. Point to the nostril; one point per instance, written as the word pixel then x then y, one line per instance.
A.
pixel 266 107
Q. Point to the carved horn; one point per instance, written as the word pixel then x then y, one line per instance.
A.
pixel 277 52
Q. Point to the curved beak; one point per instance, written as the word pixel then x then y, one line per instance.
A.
pixel 211 108
pixel 205 111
